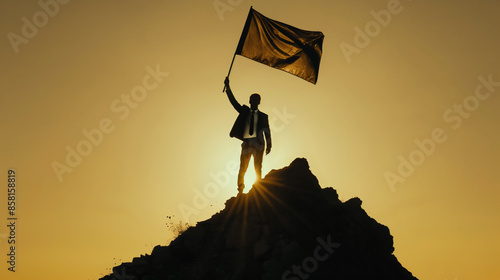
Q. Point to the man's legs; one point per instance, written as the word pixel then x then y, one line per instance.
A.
pixel 258 155
pixel 246 153
pixel 250 148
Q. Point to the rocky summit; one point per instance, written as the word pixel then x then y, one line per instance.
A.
pixel 285 227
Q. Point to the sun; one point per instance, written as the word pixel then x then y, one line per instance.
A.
pixel 250 179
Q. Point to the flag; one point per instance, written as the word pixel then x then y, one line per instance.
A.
pixel 281 46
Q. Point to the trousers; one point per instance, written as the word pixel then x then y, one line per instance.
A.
pixel 250 147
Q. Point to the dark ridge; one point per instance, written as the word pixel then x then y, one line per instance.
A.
pixel 286 227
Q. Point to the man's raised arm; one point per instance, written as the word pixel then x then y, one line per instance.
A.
pixel 230 95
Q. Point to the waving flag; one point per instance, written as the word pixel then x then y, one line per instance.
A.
pixel 281 46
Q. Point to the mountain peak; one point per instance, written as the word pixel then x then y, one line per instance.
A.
pixel 285 227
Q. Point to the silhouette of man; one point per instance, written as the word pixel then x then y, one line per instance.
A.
pixel 252 127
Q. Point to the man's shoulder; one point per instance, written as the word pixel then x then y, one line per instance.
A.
pixel 262 114
pixel 244 109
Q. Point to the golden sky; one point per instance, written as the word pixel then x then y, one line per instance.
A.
pixel 113 117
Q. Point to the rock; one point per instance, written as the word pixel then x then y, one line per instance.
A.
pixel 260 248
pixel 285 227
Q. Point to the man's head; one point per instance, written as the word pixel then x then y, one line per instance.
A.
pixel 254 101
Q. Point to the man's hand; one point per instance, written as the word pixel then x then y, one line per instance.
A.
pixel 268 150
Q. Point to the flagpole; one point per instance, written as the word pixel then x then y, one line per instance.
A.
pixel 240 42
pixel 229 72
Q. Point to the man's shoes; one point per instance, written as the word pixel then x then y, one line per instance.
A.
pixel 240 188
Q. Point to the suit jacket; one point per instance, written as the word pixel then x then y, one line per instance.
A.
pixel 263 131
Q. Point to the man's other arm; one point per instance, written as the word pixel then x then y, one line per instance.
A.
pixel 267 135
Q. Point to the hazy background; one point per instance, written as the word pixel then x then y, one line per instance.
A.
pixel 352 126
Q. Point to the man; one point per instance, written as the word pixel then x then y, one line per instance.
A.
pixel 252 127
